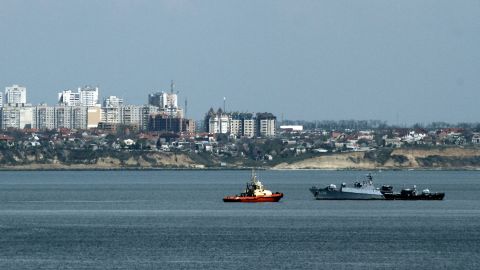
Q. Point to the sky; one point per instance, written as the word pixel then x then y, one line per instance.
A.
pixel 412 61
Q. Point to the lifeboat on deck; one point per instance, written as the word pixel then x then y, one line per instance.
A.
pixel 255 192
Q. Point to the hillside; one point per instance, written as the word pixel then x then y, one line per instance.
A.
pixel 385 158
pixel 91 160
pixel 436 158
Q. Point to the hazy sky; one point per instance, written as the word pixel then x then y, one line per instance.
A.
pixel 415 60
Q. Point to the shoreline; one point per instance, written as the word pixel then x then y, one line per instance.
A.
pixel 448 159
pixel 234 169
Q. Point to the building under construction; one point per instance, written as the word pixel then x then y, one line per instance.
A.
pixel 164 123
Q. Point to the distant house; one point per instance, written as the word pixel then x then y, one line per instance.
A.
pixel 394 142
pixel 208 148
pixel 336 134
pixel 476 138
pixel 6 138
pixel 129 142
pixel 366 135
pixel 291 128
pixel 413 137
pixel 300 149
pixel 165 148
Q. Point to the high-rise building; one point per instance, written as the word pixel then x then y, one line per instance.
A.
pixel 18 116
pixel 162 123
pixel 220 123
pixel 166 102
pixel 15 94
pixel 147 110
pixel 88 96
pixel 1 99
pixel 43 117
pixel 156 99
pixel 163 100
pixel 111 115
pixel 240 124
pixel 249 128
pixel 265 123
pixel 217 122
pixel 112 101
pixel 72 117
pixel 94 116
pixel 69 98
pixel 236 127
pixel 131 115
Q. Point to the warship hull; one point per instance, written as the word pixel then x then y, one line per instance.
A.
pixel 324 194
pixel 417 197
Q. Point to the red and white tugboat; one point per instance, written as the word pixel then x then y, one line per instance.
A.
pixel 255 192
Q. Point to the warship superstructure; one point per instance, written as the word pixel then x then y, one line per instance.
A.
pixel 361 190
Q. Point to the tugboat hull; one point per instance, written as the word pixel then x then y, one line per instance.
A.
pixel 253 199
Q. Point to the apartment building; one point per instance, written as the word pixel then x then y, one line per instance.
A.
pixel 15 94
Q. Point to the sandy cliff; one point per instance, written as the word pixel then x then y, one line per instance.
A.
pixel 145 160
pixel 409 158
pixel 447 158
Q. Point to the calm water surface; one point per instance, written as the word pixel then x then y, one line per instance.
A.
pixel 177 220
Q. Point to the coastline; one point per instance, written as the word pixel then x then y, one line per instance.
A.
pixel 93 168
pixel 436 159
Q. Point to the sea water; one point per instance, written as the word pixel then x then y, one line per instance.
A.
pixel 177 220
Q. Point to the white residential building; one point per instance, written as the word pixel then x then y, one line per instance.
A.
pixel 147 110
pixel 88 96
pixel 72 117
pixel 238 124
pixel 112 101
pixel 219 123
pixel 265 125
pixel 69 98
pixel 249 128
pixel 131 115
pixel 242 125
pixel 49 117
pixel 44 117
pixel 167 103
pixel 18 116
pixel 15 94
pixel 111 115
pixel 163 100
pixel 236 127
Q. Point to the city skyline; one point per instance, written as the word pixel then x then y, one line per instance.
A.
pixel 82 110
pixel 105 102
pixel 402 62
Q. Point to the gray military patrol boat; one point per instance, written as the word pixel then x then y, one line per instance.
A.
pixel 364 190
